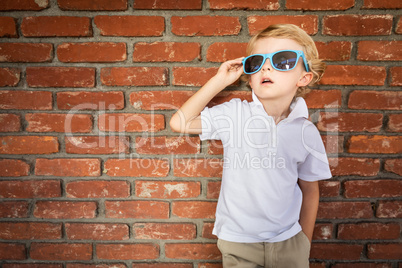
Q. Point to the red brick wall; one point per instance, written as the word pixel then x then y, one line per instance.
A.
pixel 92 175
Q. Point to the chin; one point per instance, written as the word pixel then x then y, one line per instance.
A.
pixel 265 94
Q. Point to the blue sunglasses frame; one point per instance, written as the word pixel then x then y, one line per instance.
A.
pixel 269 56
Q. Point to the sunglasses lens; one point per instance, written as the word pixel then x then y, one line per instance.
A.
pixel 285 60
pixel 253 64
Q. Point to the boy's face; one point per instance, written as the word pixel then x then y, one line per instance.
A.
pixel 270 84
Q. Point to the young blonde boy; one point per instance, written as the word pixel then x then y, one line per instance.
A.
pixel 273 156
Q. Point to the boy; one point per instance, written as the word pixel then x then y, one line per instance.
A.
pixel 273 156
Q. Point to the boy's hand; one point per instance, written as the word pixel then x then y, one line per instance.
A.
pixel 230 71
pixel 187 119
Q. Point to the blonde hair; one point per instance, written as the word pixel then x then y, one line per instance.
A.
pixel 290 31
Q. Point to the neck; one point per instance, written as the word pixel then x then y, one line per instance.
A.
pixel 278 110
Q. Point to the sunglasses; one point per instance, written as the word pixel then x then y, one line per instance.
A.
pixel 284 60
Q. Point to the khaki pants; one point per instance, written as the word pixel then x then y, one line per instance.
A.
pixel 291 253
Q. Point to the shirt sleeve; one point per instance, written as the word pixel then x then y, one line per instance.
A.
pixel 218 122
pixel 315 166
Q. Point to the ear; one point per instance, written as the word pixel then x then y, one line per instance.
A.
pixel 305 79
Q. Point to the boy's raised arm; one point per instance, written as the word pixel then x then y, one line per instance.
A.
pixel 187 119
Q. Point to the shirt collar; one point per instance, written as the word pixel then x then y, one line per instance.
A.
pixel 298 108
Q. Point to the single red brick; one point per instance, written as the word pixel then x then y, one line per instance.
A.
pixel 102 265
pixel 329 188
pixel 24 5
pixel 65 210
pixel 134 167
pixel 30 189
pixel 25 100
pixel 357 25
pixel 162 265
pixel 85 100
pixel 173 100
pixel 12 251
pixel 166 52
pixel 127 251
pixel 344 166
pixel 398 29
pixel 334 50
pixel 52 26
pixel 207 230
pixel 210 265
pixel 9 27
pixel 389 209
pixel 65 123
pixel 168 145
pixel 192 76
pixel 395 79
pixel 224 51
pixel 168 4
pixel 372 188
pixel 60 77
pixel 97 231
pixel 375 100
pixel 322 5
pixel 322 231
pixel 10 123
pixel 318 98
pixel 32 265
pixel 92 52
pixel 205 25
pixel 141 25
pixel 137 209
pixel 9 77
pixel 26 52
pixel 215 147
pixel 344 210
pixel 333 144
pixel 68 167
pixel 336 251
pixel 384 251
pixel 122 122
pixel 28 145
pixel 375 144
pixel 379 4
pixel 167 189
pixel 349 122
pixel 198 167
pixel 13 168
pixel 97 189
pixel 97 5
pixel 354 75
pixel 394 165
pixel 379 50
pixel 135 76
pixel 159 100
pixel 213 189
pixel 165 231
pixel 363 231
pixel 194 209
pixel 97 145
pixel 243 5
pixel 61 251
pixel 309 23
pixel 198 251
pixel 14 209
pixel 30 230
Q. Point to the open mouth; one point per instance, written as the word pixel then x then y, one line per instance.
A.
pixel 266 81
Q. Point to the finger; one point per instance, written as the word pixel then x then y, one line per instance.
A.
pixel 237 61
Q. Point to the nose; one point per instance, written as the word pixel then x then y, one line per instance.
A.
pixel 267 66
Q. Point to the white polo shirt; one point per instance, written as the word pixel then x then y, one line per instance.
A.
pixel 260 199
